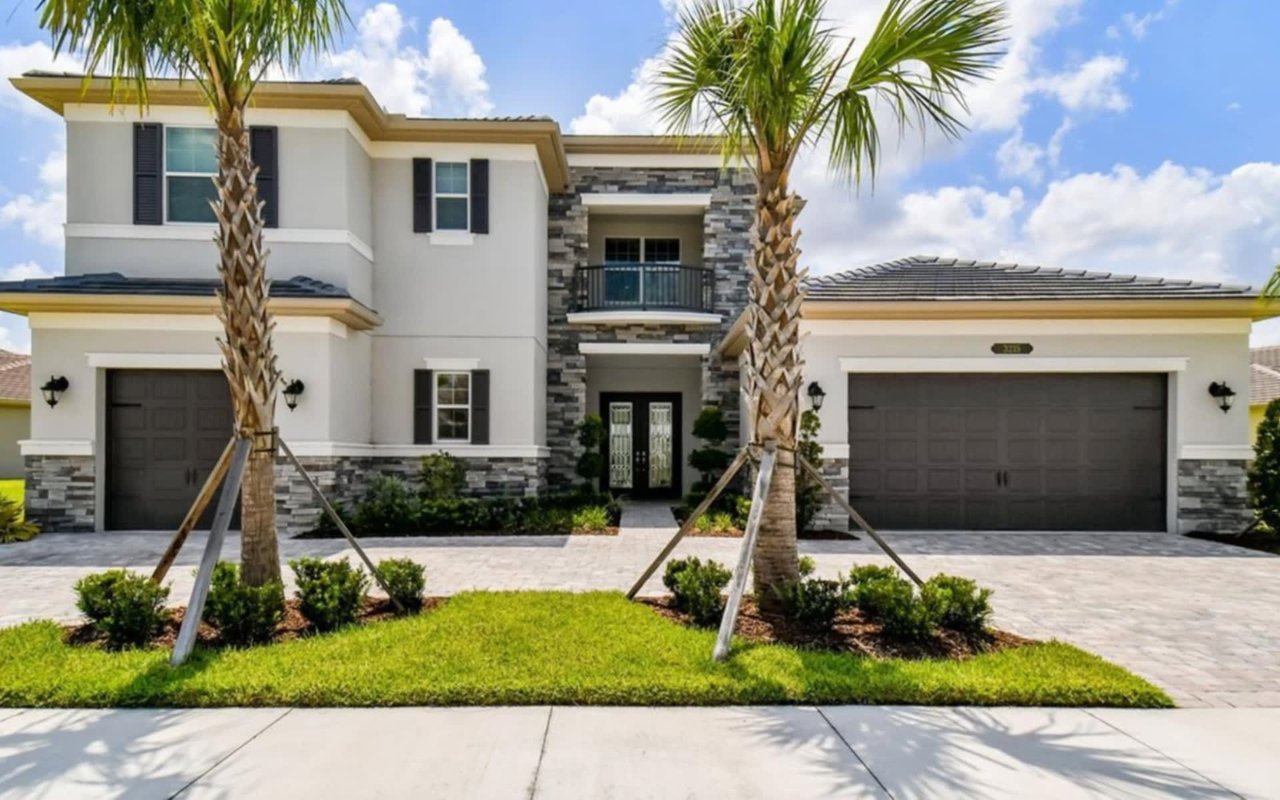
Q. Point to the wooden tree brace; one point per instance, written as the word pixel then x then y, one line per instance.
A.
pixel 739 585
pixel 193 515
pixel 692 520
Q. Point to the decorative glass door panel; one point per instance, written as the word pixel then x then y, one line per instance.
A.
pixel 621 436
pixel 642 448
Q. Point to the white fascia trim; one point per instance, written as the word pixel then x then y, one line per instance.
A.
pixel 643 318
pixel 1012 364
pixel 335 449
pixel 452 238
pixel 642 349
pixel 685 160
pixel 155 360
pixel 1024 328
pixel 1216 452
pixel 75 320
pixel 453 364
pixel 672 200
pixel 56 447
pixel 195 232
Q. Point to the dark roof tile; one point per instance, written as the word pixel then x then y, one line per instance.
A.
pixel 106 283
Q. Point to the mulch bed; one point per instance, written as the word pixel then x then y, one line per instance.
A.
pixel 850 634
pixel 1253 540
pixel 293 626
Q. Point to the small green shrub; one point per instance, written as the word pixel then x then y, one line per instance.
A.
pixel 329 592
pixel 893 602
pixel 741 511
pixel 1264 470
pixel 809 495
pixel 324 528
pixel 243 615
pixel 696 587
pixel 125 607
pixel 591 518
pixel 406 579
pixel 442 476
pixel 711 459
pixel 958 603
pixel 390 506
pixel 813 602
pixel 715 522
pixel 590 464
pixel 807 566
pixel 862 573
pixel 14 527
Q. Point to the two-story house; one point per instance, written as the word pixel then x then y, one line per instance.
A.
pixel 474 286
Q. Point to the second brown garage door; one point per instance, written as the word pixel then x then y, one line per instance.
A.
pixel 1008 452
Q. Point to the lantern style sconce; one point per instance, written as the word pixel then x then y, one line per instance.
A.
pixel 53 389
pixel 292 391
pixel 816 396
pixel 1224 394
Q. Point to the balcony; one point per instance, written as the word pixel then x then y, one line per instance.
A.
pixel 644 287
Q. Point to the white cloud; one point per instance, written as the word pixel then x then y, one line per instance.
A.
pixel 1093 86
pixel 1234 106
pixel 15 333
pixel 24 270
pixel 629 111
pixel 1139 26
pixel 16 59
pixel 447 79
pixel 42 212
pixel 1017 158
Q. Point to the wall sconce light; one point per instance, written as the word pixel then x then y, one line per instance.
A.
pixel 292 391
pixel 53 389
pixel 816 396
pixel 1224 394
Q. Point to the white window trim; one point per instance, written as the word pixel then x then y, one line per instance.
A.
pixel 164 169
pixel 644 249
pixel 437 406
pixel 436 195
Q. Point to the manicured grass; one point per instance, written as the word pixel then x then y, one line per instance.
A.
pixel 498 648
pixel 12 489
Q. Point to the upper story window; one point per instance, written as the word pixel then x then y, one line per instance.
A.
pixel 636 249
pixel 190 164
pixel 452 197
pixel 453 406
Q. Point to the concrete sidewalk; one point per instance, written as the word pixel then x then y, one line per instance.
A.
pixel 755 752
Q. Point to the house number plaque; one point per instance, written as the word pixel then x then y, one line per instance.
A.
pixel 1011 348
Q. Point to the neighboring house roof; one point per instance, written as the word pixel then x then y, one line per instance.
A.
pixel 111 291
pixel 1264 375
pixel 15 377
pixel 932 278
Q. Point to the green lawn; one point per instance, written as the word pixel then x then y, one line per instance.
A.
pixel 496 648
pixel 12 489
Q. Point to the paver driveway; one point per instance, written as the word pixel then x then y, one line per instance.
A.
pixel 1195 617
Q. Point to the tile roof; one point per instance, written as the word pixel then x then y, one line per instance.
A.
pixel 15 376
pixel 932 278
pixel 1264 375
pixel 105 283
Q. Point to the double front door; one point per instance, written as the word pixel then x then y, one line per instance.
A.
pixel 642 444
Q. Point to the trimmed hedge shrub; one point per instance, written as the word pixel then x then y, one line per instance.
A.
pixel 958 603
pixel 813 602
pixel 696 587
pixel 329 592
pixel 442 476
pixel 390 506
pixel 14 527
pixel 892 601
pixel 406 579
pixel 125 607
pixel 591 518
pixel 243 615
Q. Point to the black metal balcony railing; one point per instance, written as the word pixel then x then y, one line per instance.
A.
pixel 616 287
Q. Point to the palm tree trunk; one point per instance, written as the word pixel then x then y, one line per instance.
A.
pixel 248 358
pixel 773 377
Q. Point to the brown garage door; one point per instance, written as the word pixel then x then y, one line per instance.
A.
pixel 1008 452
pixel 165 431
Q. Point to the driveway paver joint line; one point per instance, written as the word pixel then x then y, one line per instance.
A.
pixel 229 754
pixel 542 753
pixel 1163 754
pixel 845 741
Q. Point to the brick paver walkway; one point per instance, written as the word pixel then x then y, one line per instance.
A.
pixel 1195 617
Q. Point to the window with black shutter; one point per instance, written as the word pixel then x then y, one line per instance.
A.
pixel 148 173
pixel 263 149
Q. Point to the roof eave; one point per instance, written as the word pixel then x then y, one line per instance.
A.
pixel 349 312
pixel 1063 308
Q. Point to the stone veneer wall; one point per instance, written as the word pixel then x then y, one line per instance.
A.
pixel 726 249
pixel 832 517
pixel 345 479
pixel 60 493
pixel 1212 496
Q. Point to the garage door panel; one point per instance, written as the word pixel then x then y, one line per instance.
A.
pixel 169 448
pixel 1073 451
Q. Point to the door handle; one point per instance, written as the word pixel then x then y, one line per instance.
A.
pixel 999 478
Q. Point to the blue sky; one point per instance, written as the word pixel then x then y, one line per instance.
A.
pixel 1119 135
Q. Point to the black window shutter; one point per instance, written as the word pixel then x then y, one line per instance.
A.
pixel 422 195
pixel 148 173
pixel 263 150
pixel 479 195
pixel 423 394
pixel 479 406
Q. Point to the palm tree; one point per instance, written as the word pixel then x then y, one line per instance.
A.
pixel 225 47
pixel 771 77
